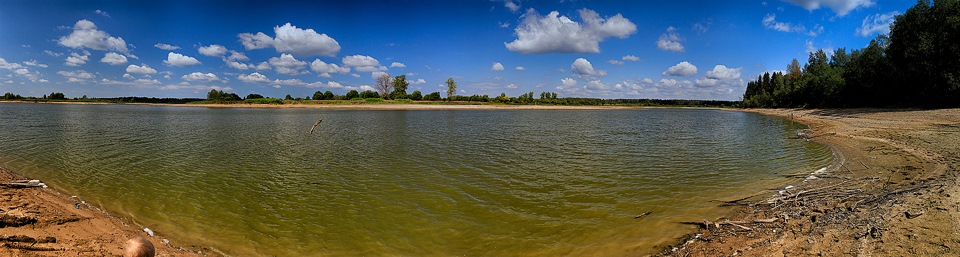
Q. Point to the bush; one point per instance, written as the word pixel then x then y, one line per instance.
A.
pixel 404 101
pixel 264 101
pixel 373 100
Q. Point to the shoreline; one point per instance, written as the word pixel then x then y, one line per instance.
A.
pixel 894 174
pixel 43 221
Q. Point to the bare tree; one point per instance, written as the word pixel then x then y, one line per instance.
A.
pixel 384 86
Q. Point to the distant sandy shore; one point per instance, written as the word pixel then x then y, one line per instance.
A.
pixel 891 191
pixel 408 106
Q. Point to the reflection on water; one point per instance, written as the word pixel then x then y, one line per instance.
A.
pixel 255 182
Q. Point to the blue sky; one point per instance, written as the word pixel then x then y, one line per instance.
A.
pixel 577 48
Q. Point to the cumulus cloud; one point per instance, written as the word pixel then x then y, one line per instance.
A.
pixel 877 24
pixel 293 40
pixel 239 65
pixel 34 63
pixel 76 59
pixel 397 65
pixel 255 77
pixel 568 82
pixel 615 62
pixel 520 68
pixel 417 81
pixel 682 69
pixel 237 56
pixel 114 59
pixel 362 63
pixel 76 76
pixel 103 13
pixel 630 58
pixel 213 50
pixel 559 34
pixel 179 60
pixel 262 66
pixel 770 22
pixel 52 53
pixel 841 7
pixel 675 83
pixel 8 65
pixel 146 70
pixel 581 67
pixel 166 46
pixel 670 41
pixel 198 76
pixel 721 76
pixel 513 7
pixel 287 64
pixel 496 67
pixel 86 35
pixel 325 69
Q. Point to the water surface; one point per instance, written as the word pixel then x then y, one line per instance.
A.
pixel 406 183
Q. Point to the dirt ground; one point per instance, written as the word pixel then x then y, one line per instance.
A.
pixel 39 221
pixel 891 191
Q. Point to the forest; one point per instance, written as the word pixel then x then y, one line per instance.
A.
pixel 917 65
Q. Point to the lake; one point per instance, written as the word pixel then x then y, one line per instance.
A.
pixel 406 183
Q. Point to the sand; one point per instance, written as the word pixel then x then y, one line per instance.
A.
pixel 892 190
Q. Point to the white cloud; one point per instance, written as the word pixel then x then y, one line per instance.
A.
pixel 35 64
pixel 568 82
pixel 877 24
pixel 770 22
pixel 198 76
pixel 630 58
pixel 239 65
pixel 520 68
pixel 237 56
pixel 76 59
pixel 255 77
pixel 703 26
pixel 287 64
pixel 166 46
pixel 105 14
pixel 584 68
pixel 114 58
pixel 8 65
pixel 128 76
pixel 86 35
pixel 324 69
pixel 363 63
pixel 596 85
pixel 496 67
pixel 397 65
pixel 52 53
pixel 293 40
pixel 76 76
pixel 670 41
pixel 558 34
pixel 841 7
pixel 509 4
pixel 682 69
pixel 355 75
pixel 675 83
pixel 721 76
pixel 615 62
pixel 417 81
pixel 175 59
pixel 263 66
pixel 141 69
pixel 213 50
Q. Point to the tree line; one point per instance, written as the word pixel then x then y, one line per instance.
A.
pixel 918 64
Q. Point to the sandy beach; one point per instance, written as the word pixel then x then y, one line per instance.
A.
pixel 891 191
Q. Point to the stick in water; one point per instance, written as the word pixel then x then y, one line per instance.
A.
pixel 315 126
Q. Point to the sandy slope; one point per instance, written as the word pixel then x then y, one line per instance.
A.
pixel 892 191
pixel 42 222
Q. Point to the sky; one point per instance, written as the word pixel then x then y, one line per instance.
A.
pixel 704 50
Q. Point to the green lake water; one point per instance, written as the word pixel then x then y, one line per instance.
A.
pixel 255 182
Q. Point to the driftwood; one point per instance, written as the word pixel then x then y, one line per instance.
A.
pixel 643 215
pixel 24 184
pixel 29 247
pixel 315 126
pixel 736 223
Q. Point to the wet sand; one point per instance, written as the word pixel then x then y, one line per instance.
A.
pixel 891 191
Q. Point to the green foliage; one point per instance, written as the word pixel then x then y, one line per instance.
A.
pixel 451 88
pixel 416 95
pixel 373 100
pixel 253 96
pixel 328 96
pixel 352 94
pixel 435 96
pixel 220 96
pixel 56 96
pixel 369 94
pixel 11 96
pixel 263 101
pixel 404 101
pixel 288 97
pixel 917 65
pixel 400 85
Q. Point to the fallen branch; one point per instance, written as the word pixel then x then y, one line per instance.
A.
pixel 643 214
